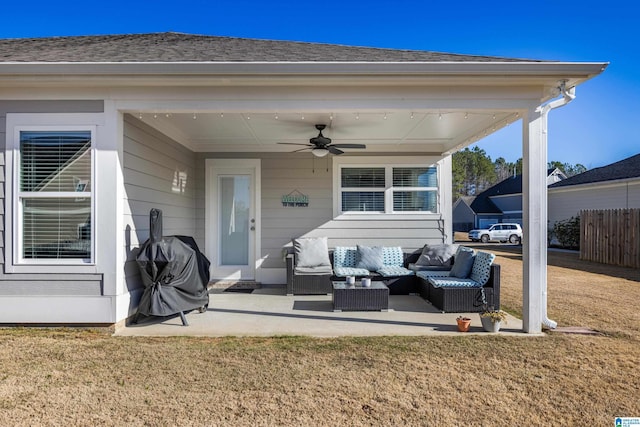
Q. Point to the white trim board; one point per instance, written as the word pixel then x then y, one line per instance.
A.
pixel 45 121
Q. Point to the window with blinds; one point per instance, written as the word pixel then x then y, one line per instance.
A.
pixel 55 195
pixel 363 189
pixel 410 189
pixel 415 189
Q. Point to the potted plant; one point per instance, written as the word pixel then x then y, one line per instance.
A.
pixel 463 323
pixel 492 319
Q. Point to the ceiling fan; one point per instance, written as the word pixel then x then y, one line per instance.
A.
pixel 320 145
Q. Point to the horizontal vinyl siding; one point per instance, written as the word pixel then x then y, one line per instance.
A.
pixel 158 173
pixel 565 203
pixel 41 284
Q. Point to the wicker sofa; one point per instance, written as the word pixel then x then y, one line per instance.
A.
pixel 450 298
pixel 310 282
pixel 394 272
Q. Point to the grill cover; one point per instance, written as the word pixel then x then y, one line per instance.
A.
pixel 174 272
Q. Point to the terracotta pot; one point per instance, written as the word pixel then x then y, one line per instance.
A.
pixel 463 324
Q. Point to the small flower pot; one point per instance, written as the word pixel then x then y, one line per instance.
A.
pixel 463 324
pixel 489 325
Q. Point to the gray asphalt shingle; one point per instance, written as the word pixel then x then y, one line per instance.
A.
pixel 624 169
pixel 179 47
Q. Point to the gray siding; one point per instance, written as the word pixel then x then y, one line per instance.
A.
pixel 463 217
pixel 508 203
pixel 565 202
pixel 283 173
pixel 158 173
pixel 41 284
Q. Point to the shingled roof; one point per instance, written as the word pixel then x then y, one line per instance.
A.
pixel 179 47
pixel 624 169
pixel 512 185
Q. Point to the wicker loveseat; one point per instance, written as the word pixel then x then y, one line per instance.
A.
pixel 393 272
pixel 399 279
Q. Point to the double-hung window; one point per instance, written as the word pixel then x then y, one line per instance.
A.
pixel 53 194
pixel 415 189
pixel 388 188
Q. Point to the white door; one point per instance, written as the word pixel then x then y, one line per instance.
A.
pixel 232 226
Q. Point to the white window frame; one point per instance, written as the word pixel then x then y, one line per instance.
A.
pixel 16 123
pixel 389 163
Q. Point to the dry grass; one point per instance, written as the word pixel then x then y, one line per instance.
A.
pixel 87 377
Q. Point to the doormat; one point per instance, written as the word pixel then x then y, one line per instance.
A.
pixel 245 287
pixel 238 291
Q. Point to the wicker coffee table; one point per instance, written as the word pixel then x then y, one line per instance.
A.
pixel 358 298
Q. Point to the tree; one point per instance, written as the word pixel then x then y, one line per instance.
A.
pixel 568 168
pixel 473 172
pixel 505 169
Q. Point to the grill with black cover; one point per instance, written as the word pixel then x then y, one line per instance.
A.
pixel 174 272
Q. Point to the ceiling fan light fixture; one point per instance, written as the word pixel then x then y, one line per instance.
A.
pixel 320 152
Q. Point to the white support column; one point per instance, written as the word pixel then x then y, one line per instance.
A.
pixel 109 199
pixel 534 209
pixel 446 204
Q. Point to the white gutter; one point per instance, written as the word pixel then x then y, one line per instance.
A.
pixel 578 70
pixel 568 95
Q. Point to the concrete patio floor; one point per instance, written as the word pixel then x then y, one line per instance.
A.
pixel 270 312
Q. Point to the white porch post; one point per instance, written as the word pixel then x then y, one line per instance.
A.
pixel 534 209
pixel 109 212
pixel 446 204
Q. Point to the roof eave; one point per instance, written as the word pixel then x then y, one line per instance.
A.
pixel 584 69
pixel 603 183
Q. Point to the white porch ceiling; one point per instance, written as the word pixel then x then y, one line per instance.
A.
pixel 436 131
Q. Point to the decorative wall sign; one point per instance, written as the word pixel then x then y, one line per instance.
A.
pixel 295 199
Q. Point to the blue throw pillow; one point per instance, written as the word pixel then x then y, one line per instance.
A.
pixel 370 258
pixel 462 265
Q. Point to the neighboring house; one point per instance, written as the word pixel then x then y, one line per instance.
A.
pixel 615 186
pixel 500 203
pixel 194 125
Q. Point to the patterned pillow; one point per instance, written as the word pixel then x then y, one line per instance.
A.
pixel 350 271
pixel 393 256
pixel 344 256
pixel 370 258
pixel 452 282
pixel 482 267
pixel 432 273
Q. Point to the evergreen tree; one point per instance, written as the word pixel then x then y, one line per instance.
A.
pixel 473 171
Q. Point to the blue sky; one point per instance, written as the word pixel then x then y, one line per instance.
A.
pixel 601 126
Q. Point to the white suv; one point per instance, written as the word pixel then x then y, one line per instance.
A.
pixel 501 232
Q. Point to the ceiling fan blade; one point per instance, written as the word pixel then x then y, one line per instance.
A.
pixel 290 143
pixel 349 145
pixel 302 149
pixel 333 150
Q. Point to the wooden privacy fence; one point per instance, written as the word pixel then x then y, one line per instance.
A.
pixel 611 236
